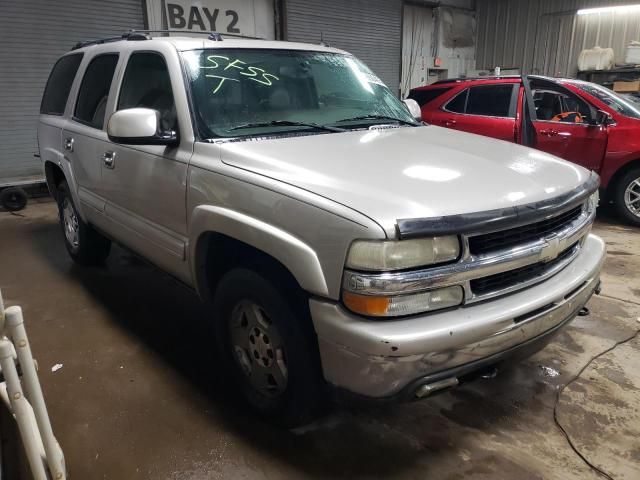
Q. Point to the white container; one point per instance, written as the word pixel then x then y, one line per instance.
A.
pixel 632 55
pixel 596 58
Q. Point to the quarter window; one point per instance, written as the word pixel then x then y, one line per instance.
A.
pixel 427 95
pixel 459 103
pixel 147 84
pixel 94 91
pixel 59 84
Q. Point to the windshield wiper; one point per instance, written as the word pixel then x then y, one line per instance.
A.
pixel 288 123
pixel 379 117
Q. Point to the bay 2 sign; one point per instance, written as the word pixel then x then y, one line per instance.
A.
pixel 239 17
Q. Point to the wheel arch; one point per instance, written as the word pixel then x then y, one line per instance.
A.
pixel 223 238
pixel 54 176
pixel 618 174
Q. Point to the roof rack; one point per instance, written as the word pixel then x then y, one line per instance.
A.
pixel 469 79
pixel 134 35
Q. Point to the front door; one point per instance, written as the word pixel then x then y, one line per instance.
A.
pixel 565 126
pixel 145 185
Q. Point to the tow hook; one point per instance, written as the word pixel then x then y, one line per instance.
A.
pixel 584 311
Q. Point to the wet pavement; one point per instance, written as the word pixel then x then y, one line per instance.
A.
pixel 138 395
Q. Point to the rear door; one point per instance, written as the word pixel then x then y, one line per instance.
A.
pixel 565 125
pixel 488 110
pixel 84 136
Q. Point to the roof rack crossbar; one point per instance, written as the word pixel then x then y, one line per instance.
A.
pixel 95 42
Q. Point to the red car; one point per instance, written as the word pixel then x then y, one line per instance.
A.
pixel 579 121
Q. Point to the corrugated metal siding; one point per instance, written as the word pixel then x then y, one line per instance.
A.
pixel 33 34
pixel 370 29
pixel 545 36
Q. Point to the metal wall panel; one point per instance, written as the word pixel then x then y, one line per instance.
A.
pixel 545 36
pixel 370 29
pixel 33 34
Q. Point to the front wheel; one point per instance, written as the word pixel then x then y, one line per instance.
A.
pixel 84 244
pixel 627 197
pixel 267 344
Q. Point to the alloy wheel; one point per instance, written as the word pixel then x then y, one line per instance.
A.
pixel 259 349
pixel 70 223
pixel 632 197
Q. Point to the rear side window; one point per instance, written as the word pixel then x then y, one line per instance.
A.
pixel 484 100
pixel 59 84
pixel 427 95
pixel 490 100
pixel 94 90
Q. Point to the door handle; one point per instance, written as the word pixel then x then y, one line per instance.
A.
pixel 109 159
pixel 450 123
pixel 68 144
pixel 549 133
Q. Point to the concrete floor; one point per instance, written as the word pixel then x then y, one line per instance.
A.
pixel 138 395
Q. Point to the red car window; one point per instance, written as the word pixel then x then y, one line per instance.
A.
pixel 484 100
pixel 424 96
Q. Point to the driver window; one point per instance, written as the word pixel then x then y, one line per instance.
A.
pixel 558 106
pixel 147 84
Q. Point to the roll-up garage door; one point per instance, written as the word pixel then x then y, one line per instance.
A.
pixel 370 29
pixel 33 34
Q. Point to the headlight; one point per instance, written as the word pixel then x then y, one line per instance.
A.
pixel 593 202
pixel 393 255
pixel 400 305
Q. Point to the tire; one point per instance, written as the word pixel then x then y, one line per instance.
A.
pixel 626 197
pixel 13 199
pixel 273 360
pixel 85 245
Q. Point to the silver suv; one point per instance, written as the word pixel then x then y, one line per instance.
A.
pixel 343 245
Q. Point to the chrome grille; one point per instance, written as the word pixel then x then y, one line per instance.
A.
pixel 491 242
pixel 500 281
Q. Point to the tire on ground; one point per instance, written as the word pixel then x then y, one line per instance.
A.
pixel 92 248
pixel 303 396
pixel 621 196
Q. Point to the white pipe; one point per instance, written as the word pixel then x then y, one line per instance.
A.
pixel 1 315
pixel 20 410
pixel 18 334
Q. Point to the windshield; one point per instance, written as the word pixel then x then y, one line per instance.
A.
pixel 240 92
pixel 611 99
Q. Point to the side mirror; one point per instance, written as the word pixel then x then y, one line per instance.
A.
pixel 603 118
pixel 414 108
pixel 139 126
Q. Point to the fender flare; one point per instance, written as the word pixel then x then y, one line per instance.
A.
pixel 67 173
pixel 296 256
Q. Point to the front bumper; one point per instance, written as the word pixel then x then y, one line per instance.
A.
pixel 391 358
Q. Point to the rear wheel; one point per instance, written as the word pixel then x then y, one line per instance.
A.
pixel 267 344
pixel 84 244
pixel 627 196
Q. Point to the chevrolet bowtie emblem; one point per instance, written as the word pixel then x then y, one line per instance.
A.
pixel 551 250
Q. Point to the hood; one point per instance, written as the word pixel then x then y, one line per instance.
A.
pixel 412 172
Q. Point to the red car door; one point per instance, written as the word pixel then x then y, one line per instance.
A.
pixel 488 110
pixel 565 126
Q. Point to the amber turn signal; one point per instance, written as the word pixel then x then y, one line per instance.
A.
pixel 371 306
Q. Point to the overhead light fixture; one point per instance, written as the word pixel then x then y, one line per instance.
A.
pixel 617 9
